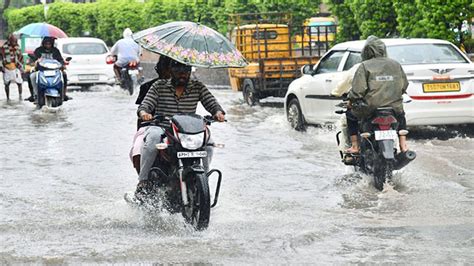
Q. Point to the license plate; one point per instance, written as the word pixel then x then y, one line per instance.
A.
pixel 88 77
pixel 441 87
pixel 192 154
pixel 49 73
pixel 385 134
pixel 133 72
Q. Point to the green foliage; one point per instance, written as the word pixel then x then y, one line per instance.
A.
pixel 374 17
pixel 18 18
pixel 348 28
pixel 409 19
pixel 106 19
pixel 404 18
pixel 67 17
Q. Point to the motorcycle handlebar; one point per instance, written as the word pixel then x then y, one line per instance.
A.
pixel 208 119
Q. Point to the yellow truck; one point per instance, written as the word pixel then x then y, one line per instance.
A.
pixel 320 31
pixel 275 56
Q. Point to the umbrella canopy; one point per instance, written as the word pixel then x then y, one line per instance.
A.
pixel 42 30
pixel 192 44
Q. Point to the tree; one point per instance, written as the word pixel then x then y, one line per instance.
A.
pixel 374 17
pixel 348 28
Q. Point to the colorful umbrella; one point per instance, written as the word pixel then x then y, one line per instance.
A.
pixel 192 44
pixel 42 30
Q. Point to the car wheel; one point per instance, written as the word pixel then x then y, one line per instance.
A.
pixel 295 116
pixel 248 92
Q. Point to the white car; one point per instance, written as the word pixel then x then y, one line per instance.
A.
pixel 88 65
pixel 440 90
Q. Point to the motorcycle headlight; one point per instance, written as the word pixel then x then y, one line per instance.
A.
pixel 191 142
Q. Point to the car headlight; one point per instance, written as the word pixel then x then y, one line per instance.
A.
pixel 191 142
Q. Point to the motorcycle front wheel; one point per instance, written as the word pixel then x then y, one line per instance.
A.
pixel 198 211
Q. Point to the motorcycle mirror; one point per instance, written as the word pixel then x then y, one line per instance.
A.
pixel 219 145
pixel 110 59
pixel 68 59
pixel 161 146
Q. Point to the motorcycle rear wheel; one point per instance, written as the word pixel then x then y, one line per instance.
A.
pixel 198 211
pixel 382 172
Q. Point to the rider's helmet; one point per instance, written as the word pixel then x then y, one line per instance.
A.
pixel 127 33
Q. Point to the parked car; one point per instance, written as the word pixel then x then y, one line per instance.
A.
pixel 88 65
pixel 440 91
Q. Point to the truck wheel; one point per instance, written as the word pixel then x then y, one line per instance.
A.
pixel 295 116
pixel 249 92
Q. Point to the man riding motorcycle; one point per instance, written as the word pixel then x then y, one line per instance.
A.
pixel 126 50
pixel 177 96
pixel 48 51
pixel 378 82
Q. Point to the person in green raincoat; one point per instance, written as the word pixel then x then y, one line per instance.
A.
pixel 378 82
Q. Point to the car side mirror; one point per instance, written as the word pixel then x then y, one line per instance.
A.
pixel 68 58
pixel 307 69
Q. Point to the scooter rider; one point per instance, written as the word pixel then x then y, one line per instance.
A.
pixel 178 95
pixel 126 50
pixel 378 82
pixel 48 51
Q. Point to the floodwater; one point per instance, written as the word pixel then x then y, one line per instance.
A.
pixel 285 197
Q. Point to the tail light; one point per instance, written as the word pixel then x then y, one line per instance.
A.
pixel 384 122
pixel 133 64
pixel 110 59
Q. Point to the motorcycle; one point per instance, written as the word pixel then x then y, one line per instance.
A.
pixel 178 178
pixel 378 155
pixel 50 83
pixel 128 74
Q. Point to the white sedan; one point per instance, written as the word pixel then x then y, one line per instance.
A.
pixel 88 65
pixel 440 91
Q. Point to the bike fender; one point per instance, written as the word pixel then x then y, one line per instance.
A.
pixel 52 92
pixel 193 169
pixel 386 148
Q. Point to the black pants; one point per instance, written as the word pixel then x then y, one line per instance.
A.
pixel 353 122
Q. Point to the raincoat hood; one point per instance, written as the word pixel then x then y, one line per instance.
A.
pixel 127 33
pixel 374 47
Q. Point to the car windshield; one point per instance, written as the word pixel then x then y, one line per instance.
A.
pixel 84 48
pixel 429 53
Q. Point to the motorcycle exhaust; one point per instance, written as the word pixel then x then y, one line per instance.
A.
pixel 404 158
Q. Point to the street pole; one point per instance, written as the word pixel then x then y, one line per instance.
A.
pixel 45 8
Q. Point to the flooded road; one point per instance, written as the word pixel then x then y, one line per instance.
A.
pixel 285 196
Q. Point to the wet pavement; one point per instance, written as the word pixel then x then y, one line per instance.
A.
pixel 285 197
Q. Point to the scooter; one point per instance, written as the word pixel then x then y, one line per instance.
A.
pixel 378 155
pixel 178 178
pixel 50 83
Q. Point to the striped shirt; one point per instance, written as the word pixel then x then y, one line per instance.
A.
pixel 161 99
